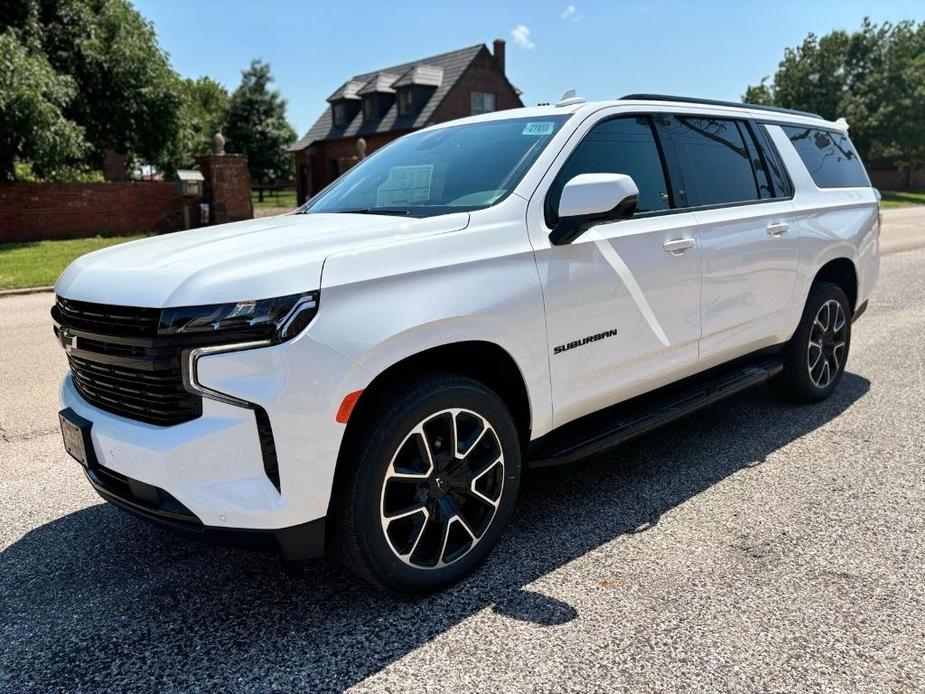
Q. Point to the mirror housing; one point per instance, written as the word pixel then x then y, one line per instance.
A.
pixel 590 199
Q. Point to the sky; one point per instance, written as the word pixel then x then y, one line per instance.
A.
pixel 602 49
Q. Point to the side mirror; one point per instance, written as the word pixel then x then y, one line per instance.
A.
pixel 590 199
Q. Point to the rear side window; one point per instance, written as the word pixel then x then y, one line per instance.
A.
pixel 716 163
pixel 780 182
pixel 829 156
pixel 620 145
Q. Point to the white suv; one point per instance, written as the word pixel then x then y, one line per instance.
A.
pixel 372 373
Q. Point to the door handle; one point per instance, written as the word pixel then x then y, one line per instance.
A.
pixel 678 246
pixel 777 228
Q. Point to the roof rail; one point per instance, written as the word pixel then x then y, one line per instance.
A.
pixel 714 102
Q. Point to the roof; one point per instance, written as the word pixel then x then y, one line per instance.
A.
pixel 381 83
pixel 425 75
pixel 450 66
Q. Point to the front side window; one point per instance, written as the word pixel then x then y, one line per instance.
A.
pixel 482 102
pixel 453 169
pixel 829 156
pixel 715 161
pixel 620 145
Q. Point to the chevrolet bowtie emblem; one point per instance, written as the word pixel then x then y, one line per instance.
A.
pixel 68 340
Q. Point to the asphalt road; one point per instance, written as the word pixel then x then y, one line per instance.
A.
pixel 755 546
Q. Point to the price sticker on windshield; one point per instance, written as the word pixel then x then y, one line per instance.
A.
pixel 538 128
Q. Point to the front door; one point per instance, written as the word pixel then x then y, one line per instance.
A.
pixel 623 299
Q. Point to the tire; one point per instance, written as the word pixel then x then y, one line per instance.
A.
pixel 400 459
pixel 811 373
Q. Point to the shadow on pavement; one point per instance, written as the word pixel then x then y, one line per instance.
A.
pixel 98 599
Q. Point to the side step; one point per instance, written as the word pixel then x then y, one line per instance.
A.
pixel 611 427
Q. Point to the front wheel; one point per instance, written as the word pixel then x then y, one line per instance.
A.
pixel 814 359
pixel 428 484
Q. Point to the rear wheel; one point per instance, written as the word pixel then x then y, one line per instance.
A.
pixel 428 484
pixel 814 359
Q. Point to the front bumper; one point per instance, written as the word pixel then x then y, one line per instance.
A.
pixel 156 506
pixel 213 466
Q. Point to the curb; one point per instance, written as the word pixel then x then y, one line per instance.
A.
pixel 28 290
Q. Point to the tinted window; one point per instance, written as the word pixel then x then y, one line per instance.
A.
pixel 829 156
pixel 771 158
pixel 623 145
pixel 715 161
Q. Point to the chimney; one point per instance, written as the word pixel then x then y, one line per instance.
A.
pixel 499 53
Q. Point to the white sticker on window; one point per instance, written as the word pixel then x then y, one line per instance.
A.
pixel 406 186
pixel 543 127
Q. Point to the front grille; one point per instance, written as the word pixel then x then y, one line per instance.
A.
pixel 119 364
pixel 156 397
pixel 123 321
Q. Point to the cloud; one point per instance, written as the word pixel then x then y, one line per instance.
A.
pixel 521 36
pixel 571 14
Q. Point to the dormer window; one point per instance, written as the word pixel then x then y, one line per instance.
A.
pixel 371 107
pixel 405 102
pixel 340 114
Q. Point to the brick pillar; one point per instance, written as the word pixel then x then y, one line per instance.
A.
pixel 227 187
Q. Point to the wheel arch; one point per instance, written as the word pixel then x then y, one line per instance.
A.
pixel 843 273
pixel 483 361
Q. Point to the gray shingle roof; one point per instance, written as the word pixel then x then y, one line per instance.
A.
pixel 424 75
pixel 453 64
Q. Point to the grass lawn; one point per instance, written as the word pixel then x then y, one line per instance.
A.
pixel 38 263
pixel 271 200
pixel 892 198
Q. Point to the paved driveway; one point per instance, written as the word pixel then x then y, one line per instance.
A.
pixel 755 546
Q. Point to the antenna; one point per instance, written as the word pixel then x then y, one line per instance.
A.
pixel 569 98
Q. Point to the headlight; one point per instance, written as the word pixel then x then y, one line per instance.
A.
pixel 277 319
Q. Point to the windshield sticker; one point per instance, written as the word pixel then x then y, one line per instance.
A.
pixel 539 128
pixel 406 186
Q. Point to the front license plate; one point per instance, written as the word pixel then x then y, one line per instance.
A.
pixel 76 433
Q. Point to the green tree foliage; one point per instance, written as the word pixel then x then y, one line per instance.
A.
pixel 205 108
pixel 127 95
pixel 33 125
pixel 873 77
pixel 257 125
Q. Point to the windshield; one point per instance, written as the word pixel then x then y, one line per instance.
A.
pixel 454 169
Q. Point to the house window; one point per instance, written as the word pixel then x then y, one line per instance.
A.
pixel 482 102
pixel 405 102
pixel 340 114
pixel 370 108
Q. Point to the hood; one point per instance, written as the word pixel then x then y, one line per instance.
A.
pixel 256 259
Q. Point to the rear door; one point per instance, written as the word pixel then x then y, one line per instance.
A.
pixel 741 199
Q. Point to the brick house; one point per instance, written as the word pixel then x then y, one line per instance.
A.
pixel 382 105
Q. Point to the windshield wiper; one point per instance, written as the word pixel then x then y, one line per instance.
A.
pixel 375 210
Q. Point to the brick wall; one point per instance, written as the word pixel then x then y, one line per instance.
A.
pixel 891 179
pixel 482 75
pixel 227 187
pixel 34 211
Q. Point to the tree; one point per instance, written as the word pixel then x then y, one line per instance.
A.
pixel 126 96
pixel 33 126
pixel 873 77
pixel 257 125
pixel 205 110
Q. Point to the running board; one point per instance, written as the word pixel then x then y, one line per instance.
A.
pixel 611 427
